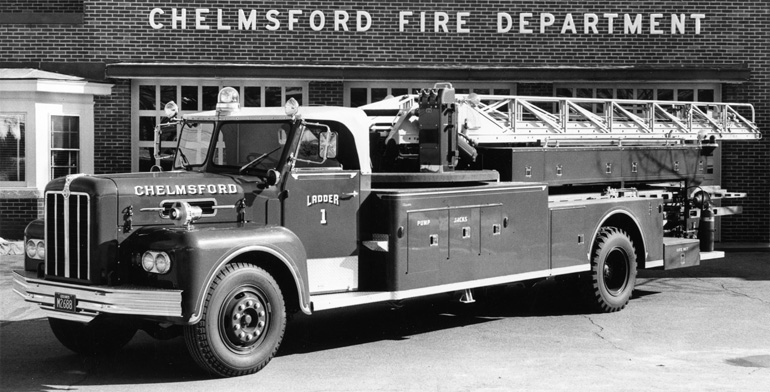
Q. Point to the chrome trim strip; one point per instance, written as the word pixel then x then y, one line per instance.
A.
pixel 66 217
pixel 299 174
pixel 93 300
pixel 717 254
pixel 653 264
pixel 88 238
pixel 340 300
pixel 481 190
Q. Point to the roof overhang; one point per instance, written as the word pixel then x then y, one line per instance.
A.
pixel 342 72
pixel 34 80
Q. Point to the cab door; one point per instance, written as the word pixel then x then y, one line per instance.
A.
pixel 321 208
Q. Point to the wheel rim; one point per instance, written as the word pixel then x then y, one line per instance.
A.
pixel 245 319
pixel 615 272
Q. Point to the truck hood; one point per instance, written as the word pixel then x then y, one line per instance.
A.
pixel 144 193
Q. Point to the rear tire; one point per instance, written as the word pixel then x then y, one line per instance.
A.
pixel 95 338
pixel 613 269
pixel 243 322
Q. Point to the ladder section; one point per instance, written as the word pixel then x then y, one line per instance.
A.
pixel 549 121
pixel 513 119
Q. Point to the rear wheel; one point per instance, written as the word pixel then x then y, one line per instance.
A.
pixel 97 337
pixel 243 322
pixel 613 269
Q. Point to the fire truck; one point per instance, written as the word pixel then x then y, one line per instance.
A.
pixel 266 212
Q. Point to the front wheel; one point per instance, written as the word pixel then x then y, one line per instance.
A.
pixel 243 322
pixel 613 269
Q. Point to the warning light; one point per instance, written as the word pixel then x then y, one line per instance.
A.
pixel 291 107
pixel 228 100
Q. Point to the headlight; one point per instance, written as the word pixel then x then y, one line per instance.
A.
pixel 31 249
pixel 35 249
pixel 148 261
pixel 41 250
pixel 156 262
pixel 162 263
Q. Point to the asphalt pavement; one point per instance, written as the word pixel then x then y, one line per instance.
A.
pixel 705 328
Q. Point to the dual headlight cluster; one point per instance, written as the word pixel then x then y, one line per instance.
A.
pixel 35 249
pixel 156 262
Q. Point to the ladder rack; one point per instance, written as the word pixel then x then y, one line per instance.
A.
pixel 500 119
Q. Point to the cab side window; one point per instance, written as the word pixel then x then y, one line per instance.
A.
pixel 308 150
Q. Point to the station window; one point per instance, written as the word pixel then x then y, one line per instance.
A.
pixel 150 97
pixel 12 154
pixel 65 145
pixel 668 92
pixel 362 93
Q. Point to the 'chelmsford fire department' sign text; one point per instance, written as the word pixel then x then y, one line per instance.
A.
pixel 422 21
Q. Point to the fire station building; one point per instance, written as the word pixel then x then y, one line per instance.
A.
pixel 84 82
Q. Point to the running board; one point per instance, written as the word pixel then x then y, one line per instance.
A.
pixel 353 298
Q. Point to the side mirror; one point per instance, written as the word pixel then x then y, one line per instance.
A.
pixel 328 145
pixel 171 110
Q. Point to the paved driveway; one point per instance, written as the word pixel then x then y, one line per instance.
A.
pixel 699 329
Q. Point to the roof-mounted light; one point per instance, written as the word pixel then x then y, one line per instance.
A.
pixel 474 99
pixel 228 100
pixel 291 107
pixel 171 109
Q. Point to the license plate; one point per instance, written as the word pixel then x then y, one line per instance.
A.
pixel 65 302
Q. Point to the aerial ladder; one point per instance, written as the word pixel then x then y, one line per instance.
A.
pixel 578 145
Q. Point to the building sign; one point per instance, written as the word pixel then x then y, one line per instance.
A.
pixel 437 21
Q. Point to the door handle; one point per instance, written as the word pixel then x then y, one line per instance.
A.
pixel 349 195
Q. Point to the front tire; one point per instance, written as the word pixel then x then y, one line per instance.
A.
pixel 243 322
pixel 613 269
pixel 95 338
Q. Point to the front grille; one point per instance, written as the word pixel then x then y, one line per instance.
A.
pixel 67 235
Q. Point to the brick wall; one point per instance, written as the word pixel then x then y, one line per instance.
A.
pixel 112 130
pixel 15 214
pixel 734 34
pixel 54 6
pixel 746 168
pixel 325 93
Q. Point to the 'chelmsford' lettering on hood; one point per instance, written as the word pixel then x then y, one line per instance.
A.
pixel 171 190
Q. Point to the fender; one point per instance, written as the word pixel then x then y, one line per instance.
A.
pixel 629 212
pixel 287 259
pixel 199 254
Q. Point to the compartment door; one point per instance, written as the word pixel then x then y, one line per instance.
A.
pixel 428 243
pixel 568 237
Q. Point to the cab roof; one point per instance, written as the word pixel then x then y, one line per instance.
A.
pixel 355 120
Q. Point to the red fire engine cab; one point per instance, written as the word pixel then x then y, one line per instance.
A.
pixel 268 211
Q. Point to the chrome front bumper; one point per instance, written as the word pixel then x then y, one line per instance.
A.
pixel 94 300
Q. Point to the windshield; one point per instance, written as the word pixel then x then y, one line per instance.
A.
pixel 194 143
pixel 244 146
